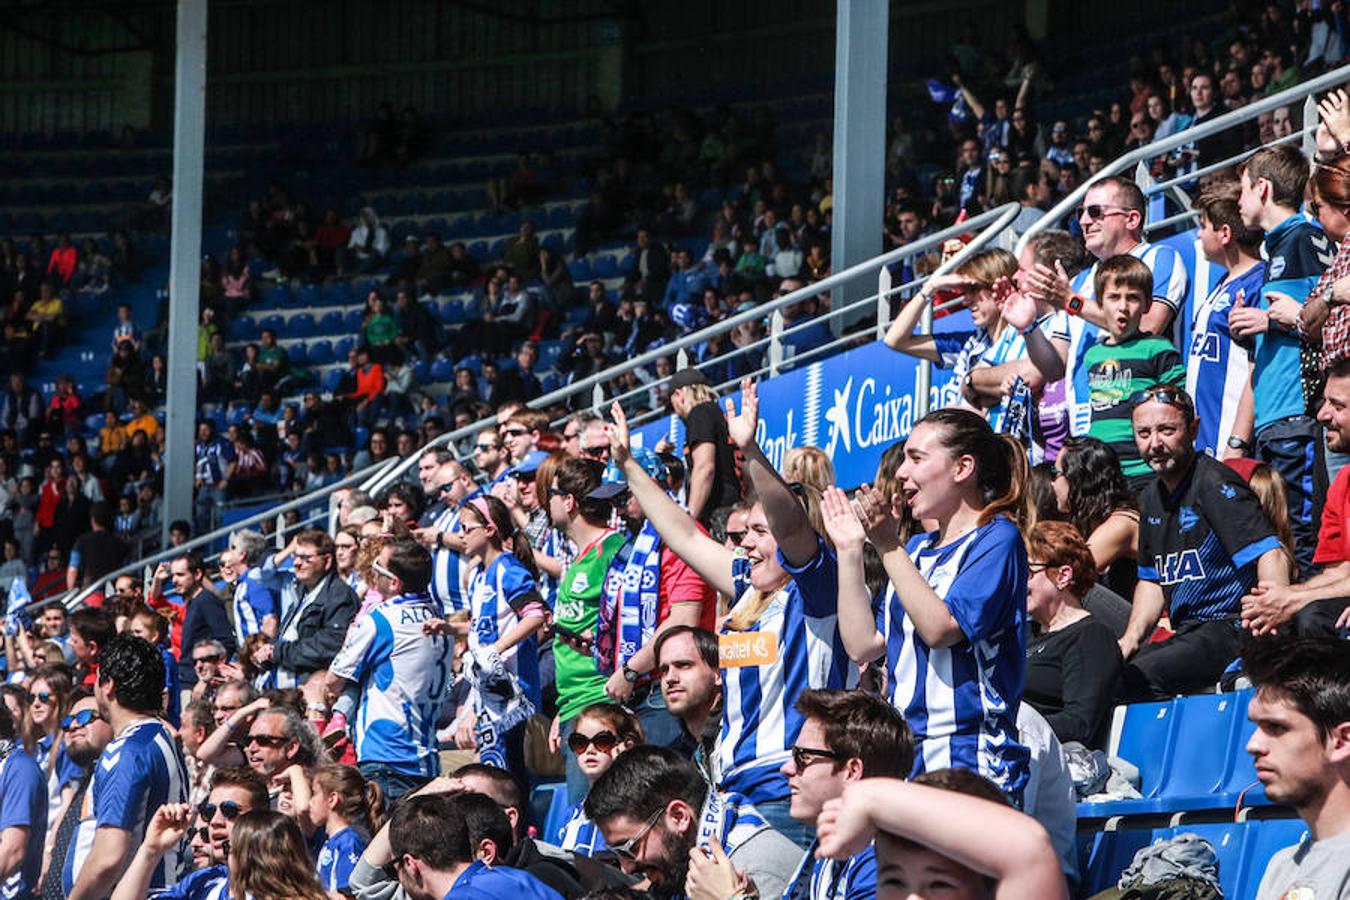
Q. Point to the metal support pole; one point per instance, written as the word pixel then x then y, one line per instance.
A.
pixel 189 140
pixel 859 143
pixel 775 342
pixel 883 302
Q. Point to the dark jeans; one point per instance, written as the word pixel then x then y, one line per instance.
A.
pixel 1319 619
pixel 1289 446
pixel 1191 661
pixel 393 782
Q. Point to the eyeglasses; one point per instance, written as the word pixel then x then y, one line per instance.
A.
pixel 514 432
pixel 484 448
pixel 209 658
pixel 604 741
pixel 381 570
pixel 229 809
pixel 272 741
pixel 627 850
pixel 40 697
pixel 304 557
pixel 736 536
pixel 558 492
pixel 1034 567
pixel 595 452
pixel 1168 396
pixel 80 719
pixel 804 756
pixel 1096 212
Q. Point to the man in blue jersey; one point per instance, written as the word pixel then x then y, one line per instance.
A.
pixel 23 814
pixel 1218 369
pixel 403 674
pixel 444 847
pixel 448 485
pixel 234 791
pixel 1112 220
pixel 1203 542
pixel 1297 251
pixel 255 606
pixel 86 734
pixel 654 809
pixel 140 771
pixel 847 736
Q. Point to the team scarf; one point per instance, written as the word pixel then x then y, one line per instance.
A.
pixel 727 819
pixel 629 601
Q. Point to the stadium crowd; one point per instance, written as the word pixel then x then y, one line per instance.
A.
pixel 751 682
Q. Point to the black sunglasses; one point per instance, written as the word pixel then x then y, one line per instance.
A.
pixel 524 477
pixel 211 658
pixel 595 452
pixel 1096 212
pixel 736 536
pixel 267 740
pixel 229 809
pixel 804 756
pixel 40 697
pixel 1168 396
pixel 604 741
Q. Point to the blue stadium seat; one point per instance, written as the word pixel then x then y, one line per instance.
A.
pixel 543 799
pixel 331 323
pixel 1227 839
pixel 243 328
pixel 472 363
pixel 421 371
pixel 628 264
pixel 279 295
pixel 321 353
pixel 343 346
pixel 351 321
pixel 549 351
pixel 1144 736
pixel 330 381
pixel 550 382
pixel 1264 840
pixel 361 435
pixel 237 415
pixel 308 295
pixel 1242 773
pixel 275 322
pixel 337 293
pixel 605 267
pixel 299 358
pixel 581 271
pixel 479 251
pixel 452 312
pixel 1201 751
pixel 442 369
pixel 301 326
pixel 1108 855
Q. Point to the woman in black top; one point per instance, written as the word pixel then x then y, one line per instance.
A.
pixel 1073 662
pixel 1096 498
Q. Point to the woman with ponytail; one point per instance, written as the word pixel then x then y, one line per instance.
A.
pixel 349 809
pixel 506 611
pixel 952 626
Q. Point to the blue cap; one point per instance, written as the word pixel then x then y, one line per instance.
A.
pixel 613 483
pixel 529 465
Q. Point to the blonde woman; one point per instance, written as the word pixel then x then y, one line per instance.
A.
pixel 808 465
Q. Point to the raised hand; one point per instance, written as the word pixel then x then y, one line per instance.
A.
pixel 742 427
pixel 1334 110
pixel 1050 285
pixel 168 826
pixel 880 516
pixel 620 443
pixel 1019 309
pixel 841 522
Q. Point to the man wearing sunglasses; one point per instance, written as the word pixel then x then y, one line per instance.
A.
pixel 655 809
pixel 847 736
pixel 1112 221
pixel 140 771
pixel 489 456
pixel 520 433
pixel 86 733
pixel 23 813
pixel 234 791
pixel 448 484
pixel 1204 542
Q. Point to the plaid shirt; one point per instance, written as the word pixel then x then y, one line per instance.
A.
pixel 1336 328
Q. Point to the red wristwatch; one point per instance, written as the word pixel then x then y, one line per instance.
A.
pixel 1074 305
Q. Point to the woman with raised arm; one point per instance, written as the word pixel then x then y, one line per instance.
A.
pixel 781 637
pixel 951 626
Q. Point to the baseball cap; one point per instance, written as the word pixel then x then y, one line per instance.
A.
pixel 613 483
pixel 530 464
pixel 686 377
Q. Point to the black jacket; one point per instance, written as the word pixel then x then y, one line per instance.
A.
pixel 321 627
pixel 205 619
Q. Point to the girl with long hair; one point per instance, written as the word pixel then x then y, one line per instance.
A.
pixel 48 701
pixel 349 809
pixel 270 861
pixel 1092 492
pixel 782 625
pixel 953 621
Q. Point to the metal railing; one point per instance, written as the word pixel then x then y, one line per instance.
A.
pixel 1299 93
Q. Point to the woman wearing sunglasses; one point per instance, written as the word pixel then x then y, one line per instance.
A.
pixel 48 702
pixel 602 732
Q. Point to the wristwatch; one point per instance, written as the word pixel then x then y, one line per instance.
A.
pixel 1238 443
pixel 1074 305
pixel 629 675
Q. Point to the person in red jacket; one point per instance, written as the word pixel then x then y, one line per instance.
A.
pixel 49 498
pixel 63 259
pixel 63 413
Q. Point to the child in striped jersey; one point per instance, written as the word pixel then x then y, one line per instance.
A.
pixel 602 732
pixel 349 809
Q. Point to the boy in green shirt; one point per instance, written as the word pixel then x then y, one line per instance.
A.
pixel 1126 361
pixel 577 605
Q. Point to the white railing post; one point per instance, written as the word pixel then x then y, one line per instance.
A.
pixel 923 375
pixel 1144 178
pixel 281 531
pixel 598 399
pixel 775 342
pixel 681 359
pixel 883 301
pixel 1310 117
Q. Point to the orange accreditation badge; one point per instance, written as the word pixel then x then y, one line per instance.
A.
pixel 747 648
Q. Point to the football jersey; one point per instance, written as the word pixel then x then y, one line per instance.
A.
pixel 338 858
pixel 503 589
pixel 578 609
pixel 23 804
pixel 140 771
pixel 253 602
pixel 403 675
pixel 854 878
pixel 1200 542
pixel 452 575
pixel 961 351
pixel 1297 252
pixel 1116 372
pixel 1217 367
pixel 211 883
pixel 801 649
pixel 1171 282
pixel 961 701
pixel 579 834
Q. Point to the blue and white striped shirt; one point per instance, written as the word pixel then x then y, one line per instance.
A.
pixel 504 588
pixel 579 834
pixel 760 721
pixel 1217 368
pixel 453 576
pixel 961 701
pixel 854 878
pixel 253 602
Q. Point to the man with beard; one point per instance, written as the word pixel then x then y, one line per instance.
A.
pixel 654 809
pixel 1301 748
pixel 1204 541
pixel 1318 605
pixel 86 734
pixel 691 682
pixel 234 791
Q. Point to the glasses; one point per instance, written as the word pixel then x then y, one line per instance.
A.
pixel 80 719
pixel 381 570
pixel 194 833
pixel 1166 396
pixel 735 536
pixel 40 697
pixel 209 658
pixel 1034 567
pixel 804 756
pixel 229 809
pixel 595 452
pixel 558 492
pixel 271 741
pixel 604 741
pixel 304 557
pixel 1096 212
pixel 628 849
pixel 484 448
pixel 514 432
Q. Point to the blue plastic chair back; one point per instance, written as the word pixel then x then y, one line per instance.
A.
pixel 1201 740
pixel 1265 839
